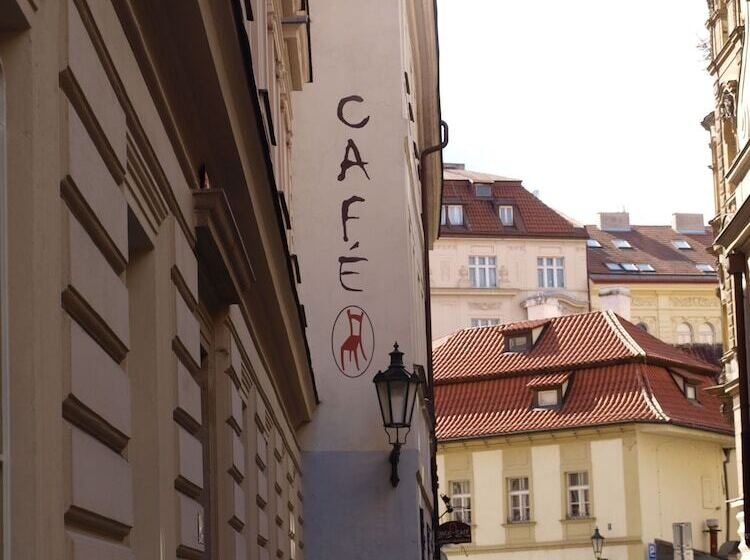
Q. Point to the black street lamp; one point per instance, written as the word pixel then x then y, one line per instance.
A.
pixel 597 542
pixel 397 393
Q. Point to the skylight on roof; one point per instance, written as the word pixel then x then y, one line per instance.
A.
pixel 630 267
pixel 613 266
pixel 645 267
pixel 593 243
pixel 705 268
pixel 681 244
pixel 622 243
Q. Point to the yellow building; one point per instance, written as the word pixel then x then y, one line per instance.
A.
pixel 560 426
pixel 660 277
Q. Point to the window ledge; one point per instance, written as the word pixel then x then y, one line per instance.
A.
pixel 518 523
pixel 578 520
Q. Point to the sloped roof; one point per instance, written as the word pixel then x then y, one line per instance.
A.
pixel 651 245
pixel 616 373
pixel 532 217
pixel 568 342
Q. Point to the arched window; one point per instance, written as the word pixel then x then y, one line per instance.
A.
pixel 684 334
pixel 706 334
pixel 642 326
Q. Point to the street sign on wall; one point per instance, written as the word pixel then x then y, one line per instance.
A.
pixel 453 532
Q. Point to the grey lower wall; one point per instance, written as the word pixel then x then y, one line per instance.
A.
pixel 351 510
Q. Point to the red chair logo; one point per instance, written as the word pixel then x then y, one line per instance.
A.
pixel 352 341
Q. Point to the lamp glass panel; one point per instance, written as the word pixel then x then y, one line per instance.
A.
pixel 399 393
pixel 383 400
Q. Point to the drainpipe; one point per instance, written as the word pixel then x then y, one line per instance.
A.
pixel 738 269
pixel 428 324
pixel 727 454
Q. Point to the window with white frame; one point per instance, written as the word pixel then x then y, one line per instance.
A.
pixel 519 509
pixel 483 272
pixel 593 244
pixel 452 215
pixel 578 495
pixel 681 244
pixel 707 268
pixel 505 214
pixel 550 272
pixel 461 500
pixel 684 334
pixel 622 243
pixel 484 322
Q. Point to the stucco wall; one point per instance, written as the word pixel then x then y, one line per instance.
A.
pixel 455 303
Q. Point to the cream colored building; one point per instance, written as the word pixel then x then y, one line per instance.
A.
pixel 485 272
pixel 729 127
pixel 660 277
pixel 589 423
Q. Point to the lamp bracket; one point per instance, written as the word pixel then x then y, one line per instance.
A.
pixel 393 458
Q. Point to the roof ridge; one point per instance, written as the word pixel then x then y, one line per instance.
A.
pixel 648 394
pixel 614 321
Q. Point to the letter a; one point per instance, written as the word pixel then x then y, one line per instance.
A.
pixel 347 163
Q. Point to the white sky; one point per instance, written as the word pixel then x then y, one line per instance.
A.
pixel 595 103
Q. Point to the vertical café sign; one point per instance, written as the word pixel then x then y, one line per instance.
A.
pixel 352 334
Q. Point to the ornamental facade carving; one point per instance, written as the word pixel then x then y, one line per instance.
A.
pixel 691 301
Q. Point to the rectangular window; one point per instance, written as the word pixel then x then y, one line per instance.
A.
pixel 518 343
pixel 578 495
pixel 614 266
pixel 705 267
pixel 681 244
pixel 550 272
pixel 484 322
pixel 622 243
pixel 506 215
pixel 518 500
pixel 645 267
pixel 630 267
pixel 452 215
pixel 461 500
pixel 547 398
pixel 483 190
pixel 593 243
pixel 482 272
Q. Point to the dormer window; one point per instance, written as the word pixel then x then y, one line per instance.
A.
pixel 681 244
pixel 518 342
pixel 593 244
pixel 688 388
pixel 452 215
pixel 622 243
pixel 549 390
pixel 506 215
pixel 483 190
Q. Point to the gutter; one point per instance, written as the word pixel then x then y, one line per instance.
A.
pixel 244 42
pixel 738 269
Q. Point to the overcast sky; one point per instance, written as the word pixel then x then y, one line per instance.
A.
pixel 596 104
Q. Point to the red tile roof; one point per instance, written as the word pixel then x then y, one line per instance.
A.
pixel 651 245
pixel 532 217
pixel 616 373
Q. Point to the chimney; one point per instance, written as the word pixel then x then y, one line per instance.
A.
pixel 688 223
pixel 616 299
pixel 614 221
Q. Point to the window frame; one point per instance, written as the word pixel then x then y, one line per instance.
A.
pixel 464 497
pixel 613 267
pixel 705 268
pixel 488 322
pixel 622 244
pixel 557 389
pixel 593 244
pixel 543 268
pixel 645 267
pixel 682 244
pixel 445 213
pixel 583 493
pixel 509 208
pixel 488 270
pixel 529 342
pixel 524 499
pixel 483 185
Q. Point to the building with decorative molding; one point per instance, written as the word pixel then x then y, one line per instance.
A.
pixel 728 125
pixel 549 429
pixel 503 255
pixel 661 278
pixel 161 313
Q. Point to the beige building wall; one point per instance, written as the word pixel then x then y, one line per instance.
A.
pixel 517 295
pixel 642 478
pixel 663 307
pixel 155 356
